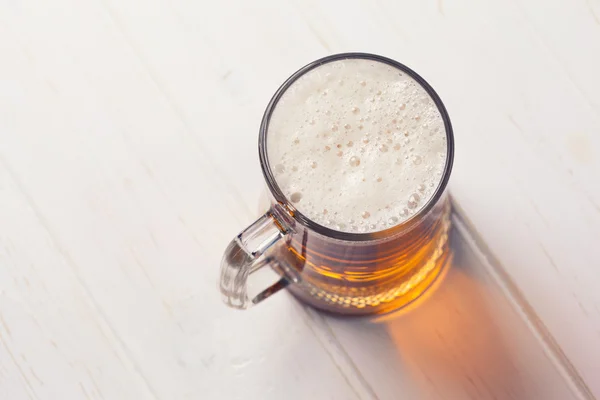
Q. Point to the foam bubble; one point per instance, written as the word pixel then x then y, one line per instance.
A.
pixel 296 197
pixel 370 150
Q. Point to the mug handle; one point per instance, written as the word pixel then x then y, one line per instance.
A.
pixel 249 252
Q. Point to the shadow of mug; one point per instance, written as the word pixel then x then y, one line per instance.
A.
pixel 461 340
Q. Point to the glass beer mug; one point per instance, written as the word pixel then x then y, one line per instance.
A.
pixel 377 236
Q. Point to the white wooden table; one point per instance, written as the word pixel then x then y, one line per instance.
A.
pixel 128 159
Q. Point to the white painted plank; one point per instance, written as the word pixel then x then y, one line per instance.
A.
pixel 125 191
pixel 132 128
pixel 53 341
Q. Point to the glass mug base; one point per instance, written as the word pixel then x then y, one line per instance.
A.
pixel 346 272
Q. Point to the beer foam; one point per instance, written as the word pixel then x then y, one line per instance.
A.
pixel 357 145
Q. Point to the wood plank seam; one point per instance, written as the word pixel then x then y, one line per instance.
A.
pixel 69 261
pixel 512 293
pixel 174 106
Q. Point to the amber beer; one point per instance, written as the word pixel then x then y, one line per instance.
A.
pixel 356 150
pixel 372 276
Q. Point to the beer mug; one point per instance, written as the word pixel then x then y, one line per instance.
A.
pixel 356 151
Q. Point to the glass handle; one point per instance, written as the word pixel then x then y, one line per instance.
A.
pixel 242 281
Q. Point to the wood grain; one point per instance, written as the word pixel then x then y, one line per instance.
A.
pixel 128 160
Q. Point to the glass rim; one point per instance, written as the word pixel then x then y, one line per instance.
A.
pixel 323 230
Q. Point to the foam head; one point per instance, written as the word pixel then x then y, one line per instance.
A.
pixel 357 145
